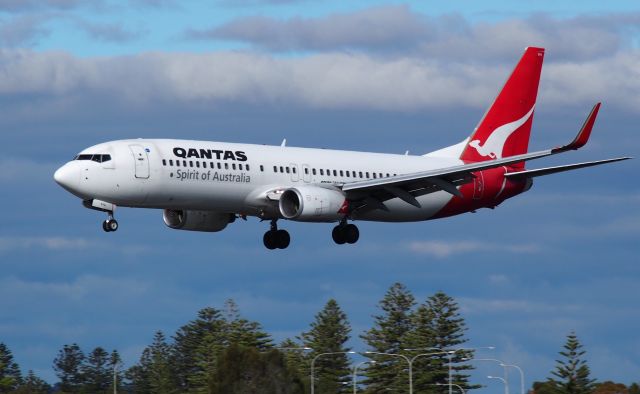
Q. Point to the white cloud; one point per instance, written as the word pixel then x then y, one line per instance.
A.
pixel 50 243
pixel 443 249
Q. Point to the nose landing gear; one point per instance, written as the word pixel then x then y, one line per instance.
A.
pixel 276 239
pixel 345 233
pixel 110 224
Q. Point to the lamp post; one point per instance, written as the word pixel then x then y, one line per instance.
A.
pixel 451 361
pixel 313 362
pixel 506 387
pixel 355 373
pixel 521 375
pixel 457 386
pixel 495 360
pixel 115 376
pixel 408 362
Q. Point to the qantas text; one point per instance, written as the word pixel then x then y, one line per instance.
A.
pixel 217 154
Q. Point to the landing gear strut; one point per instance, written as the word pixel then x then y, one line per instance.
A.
pixel 345 233
pixel 110 224
pixel 276 239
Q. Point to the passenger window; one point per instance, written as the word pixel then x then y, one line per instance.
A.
pixel 190 163
pixel 177 163
pixel 287 168
pixel 164 162
pixel 313 171
pixel 341 173
pixel 306 171
pixel 282 169
pixel 198 164
pixel 374 175
pixel 211 165
pixel 261 168
pixel 226 166
pixel 247 166
pixel 219 166
pixel 240 166
pixel 171 162
pixel 293 169
pixel 233 166
pixel 321 171
pixel 275 169
pixel 367 174
pixel 184 163
pixel 335 173
pixel 360 173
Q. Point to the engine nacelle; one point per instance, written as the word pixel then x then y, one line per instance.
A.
pixel 312 203
pixel 196 220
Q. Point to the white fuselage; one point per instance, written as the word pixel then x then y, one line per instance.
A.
pixel 235 178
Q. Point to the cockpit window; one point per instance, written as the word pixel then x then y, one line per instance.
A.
pixel 96 158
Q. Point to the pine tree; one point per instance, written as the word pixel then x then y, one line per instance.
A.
pixel 68 367
pixel 115 368
pixel 295 360
pixel 96 371
pixel 390 328
pixel 10 377
pixel 33 385
pixel 197 346
pixel 572 371
pixel 243 332
pixel 448 334
pixel 421 339
pixel 245 370
pixel 154 373
pixel 329 334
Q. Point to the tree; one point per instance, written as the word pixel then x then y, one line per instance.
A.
pixel 390 328
pixel 296 361
pixel 96 371
pixel 197 345
pixel 547 387
pixel 610 387
pixel 243 332
pixel 448 330
pixel 245 370
pixel 634 388
pixel 329 334
pixel 153 374
pixel 572 371
pixel 68 367
pixel 10 377
pixel 115 366
pixel 421 340
pixel 33 385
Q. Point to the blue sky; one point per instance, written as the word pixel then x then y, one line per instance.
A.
pixel 366 75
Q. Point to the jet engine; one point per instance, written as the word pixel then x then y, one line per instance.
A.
pixel 196 220
pixel 312 203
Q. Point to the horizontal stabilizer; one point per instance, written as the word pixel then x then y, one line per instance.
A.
pixel 553 170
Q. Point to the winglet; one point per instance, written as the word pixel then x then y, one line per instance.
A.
pixel 584 133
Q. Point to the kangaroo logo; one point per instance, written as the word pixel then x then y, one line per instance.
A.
pixel 495 143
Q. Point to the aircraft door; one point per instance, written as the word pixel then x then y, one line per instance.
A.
pixel 141 160
pixel 306 173
pixel 294 172
pixel 478 185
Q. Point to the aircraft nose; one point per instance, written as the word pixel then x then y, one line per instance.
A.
pixel 67 177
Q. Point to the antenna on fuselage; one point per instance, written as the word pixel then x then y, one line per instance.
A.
pixel 284 142
pixel 406 153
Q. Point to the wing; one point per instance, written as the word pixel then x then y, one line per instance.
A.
pixel 373 192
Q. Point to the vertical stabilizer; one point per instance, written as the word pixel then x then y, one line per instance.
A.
pixel 506 126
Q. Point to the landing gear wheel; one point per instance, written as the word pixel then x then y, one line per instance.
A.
pixel 338 235
pixel 111 225
pixel 351 233
pixel 105 227
pixel 269 240
pixel 283 239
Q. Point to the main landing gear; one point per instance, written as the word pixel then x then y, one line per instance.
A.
pixel 110 224
pixel 276 239
pixel 345 233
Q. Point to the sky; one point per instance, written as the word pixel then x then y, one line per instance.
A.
pixel 362 75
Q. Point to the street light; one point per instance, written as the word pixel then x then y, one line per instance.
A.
pixel 495 360
pixel 408 362
pixel 313 362
pixel 506 387
pixel 521 375
pixel 355 373
pixel 115 376
pixel 453 384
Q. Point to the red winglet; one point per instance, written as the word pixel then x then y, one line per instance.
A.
pixel 584 133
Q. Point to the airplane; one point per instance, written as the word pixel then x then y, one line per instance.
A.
pixel 204 185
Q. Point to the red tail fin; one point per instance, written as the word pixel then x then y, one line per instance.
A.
pixel 505 128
